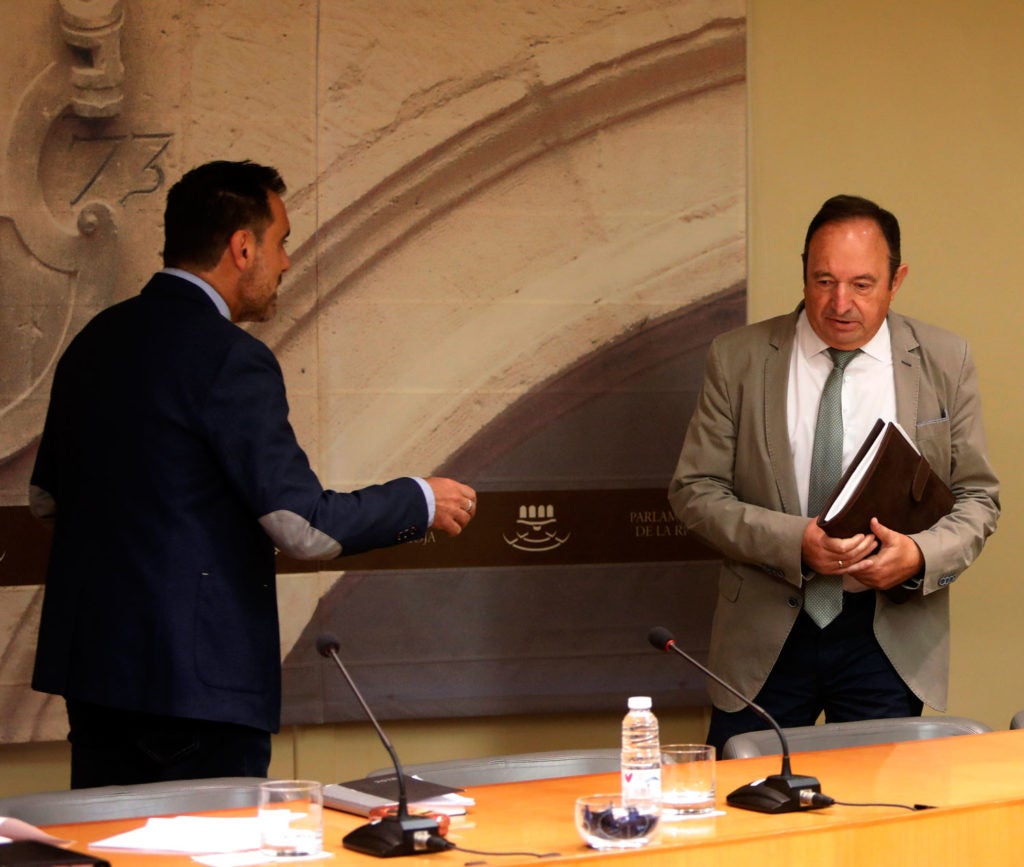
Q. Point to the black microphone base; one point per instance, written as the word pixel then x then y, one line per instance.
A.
pixel 779 793
pixel 394 836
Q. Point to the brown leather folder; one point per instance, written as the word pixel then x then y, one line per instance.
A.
pixel 898 487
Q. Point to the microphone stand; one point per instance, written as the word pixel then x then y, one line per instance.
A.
pixel 784 792
pixel 396 835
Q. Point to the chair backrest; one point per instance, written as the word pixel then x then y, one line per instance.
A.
pixel 513 768
pixel 850 734
pixel 127 802
pixel 1017 721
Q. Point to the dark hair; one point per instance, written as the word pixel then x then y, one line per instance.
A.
pixel 212 202
pixel 839 209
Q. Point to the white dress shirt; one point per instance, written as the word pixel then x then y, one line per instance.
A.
pixel 869 394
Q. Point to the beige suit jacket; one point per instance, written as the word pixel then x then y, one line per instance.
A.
pixel 735 489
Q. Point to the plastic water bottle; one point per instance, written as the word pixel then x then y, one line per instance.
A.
pixel 641 752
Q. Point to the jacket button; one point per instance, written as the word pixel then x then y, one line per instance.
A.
pixel 793 602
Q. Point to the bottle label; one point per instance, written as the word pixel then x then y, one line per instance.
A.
pixel 641 784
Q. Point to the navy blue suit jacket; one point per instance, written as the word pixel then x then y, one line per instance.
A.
pixel 171 471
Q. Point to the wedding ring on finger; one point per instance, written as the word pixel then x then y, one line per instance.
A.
pixel 840 562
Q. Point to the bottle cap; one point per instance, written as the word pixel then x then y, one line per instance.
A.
pixel 640 702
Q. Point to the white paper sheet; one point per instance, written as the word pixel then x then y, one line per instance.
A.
pixel 188 835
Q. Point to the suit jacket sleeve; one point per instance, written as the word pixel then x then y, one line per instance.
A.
pixel 727 488
pixel 247 422
pixel 950 433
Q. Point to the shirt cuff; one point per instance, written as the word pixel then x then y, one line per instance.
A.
pixel 428 495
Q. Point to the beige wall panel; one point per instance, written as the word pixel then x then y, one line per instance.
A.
pixel 917 105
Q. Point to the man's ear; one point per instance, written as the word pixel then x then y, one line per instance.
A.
pixel 898 278
pixel 241 248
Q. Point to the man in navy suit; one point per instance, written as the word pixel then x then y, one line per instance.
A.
pixel 171 473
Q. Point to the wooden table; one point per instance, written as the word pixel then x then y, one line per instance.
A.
pixel 976 782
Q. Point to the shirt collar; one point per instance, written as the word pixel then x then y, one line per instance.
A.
pixel 215 297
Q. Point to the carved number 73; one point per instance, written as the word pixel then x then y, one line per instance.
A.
pixel 126 163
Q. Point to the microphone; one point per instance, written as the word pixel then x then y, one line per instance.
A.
pixel 784 792
pixel 396 835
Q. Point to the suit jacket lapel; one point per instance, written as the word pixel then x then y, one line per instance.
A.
pixel 776 388
pixel 906 375
pixel 906 371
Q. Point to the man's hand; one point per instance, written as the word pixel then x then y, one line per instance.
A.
pixel 896 560
pixel 830 556
pixel 454 505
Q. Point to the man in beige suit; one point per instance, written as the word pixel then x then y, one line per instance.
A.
pixel 742 486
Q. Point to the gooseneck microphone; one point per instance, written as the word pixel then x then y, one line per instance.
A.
pixel 785 792
pixel 396 835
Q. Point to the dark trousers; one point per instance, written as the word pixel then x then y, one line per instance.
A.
pixel 839 670
pixel 120 747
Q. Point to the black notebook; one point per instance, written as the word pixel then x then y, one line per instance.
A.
pixel 33 853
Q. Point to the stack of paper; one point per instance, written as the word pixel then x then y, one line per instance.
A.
pixel 361 796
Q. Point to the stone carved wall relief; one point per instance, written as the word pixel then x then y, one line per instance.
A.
pixel 402 214
pixel 608 148
pixel 569 97
pixel 73 161
pixel 70 163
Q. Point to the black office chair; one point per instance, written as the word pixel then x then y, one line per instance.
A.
pixel 129 802
pixel 1017 722
pixel 513 768
pixel 850 734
